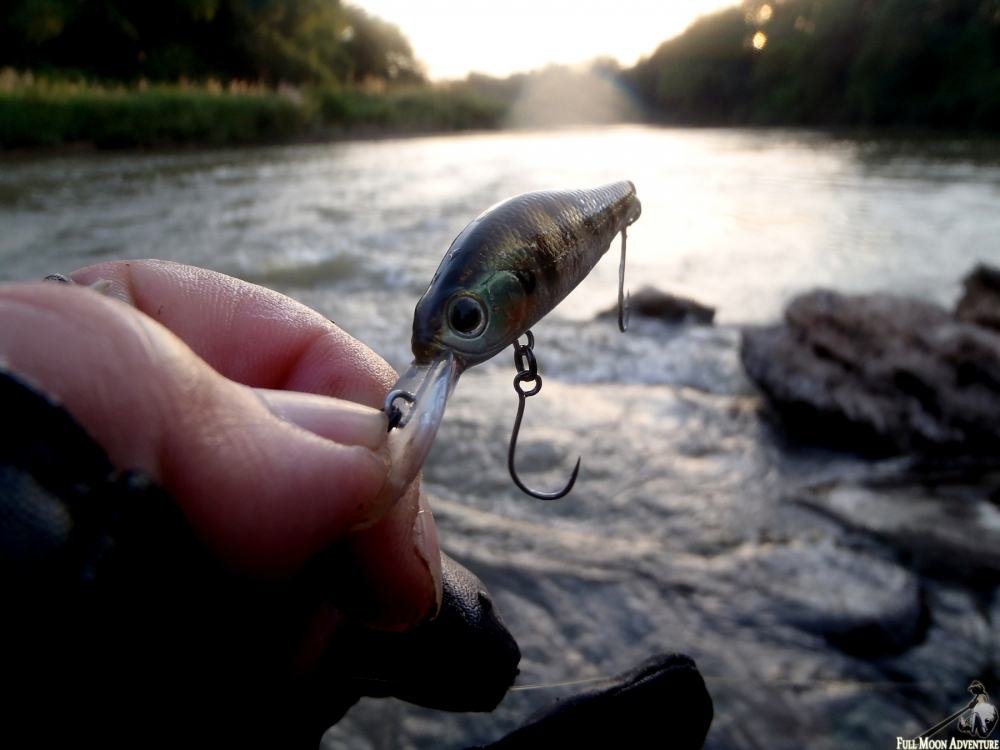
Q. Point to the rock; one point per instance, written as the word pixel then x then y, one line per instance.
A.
pixel 880 374
pixel 652 303
pixel 862 604
pixel 980 303
pixel 949 531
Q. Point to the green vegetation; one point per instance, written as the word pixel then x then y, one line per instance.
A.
pixel 424 108
pixel 270 41
pixel 856 63
pixel 41 112
pixel 135 73
pixel 123 73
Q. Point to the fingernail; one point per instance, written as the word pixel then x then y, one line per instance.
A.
pixel 343 422
pixel 425 541
pixel 101 286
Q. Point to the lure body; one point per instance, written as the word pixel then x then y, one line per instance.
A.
pixel 505 271
pixel 512 265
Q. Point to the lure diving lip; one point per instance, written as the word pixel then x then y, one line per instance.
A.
pixel 502 274
pixel 426 388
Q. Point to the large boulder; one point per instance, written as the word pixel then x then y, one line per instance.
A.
pixel 880 374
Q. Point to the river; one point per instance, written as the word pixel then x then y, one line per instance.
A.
pixel 693 525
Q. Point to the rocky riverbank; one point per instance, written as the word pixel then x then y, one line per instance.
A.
pixel 881 374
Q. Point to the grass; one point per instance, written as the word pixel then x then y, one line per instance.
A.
pixel 43 112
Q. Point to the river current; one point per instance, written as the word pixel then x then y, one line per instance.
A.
pixel 694 526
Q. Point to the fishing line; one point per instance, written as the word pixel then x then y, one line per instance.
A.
pixel 567 683
pixel 716 679
pixel 789 683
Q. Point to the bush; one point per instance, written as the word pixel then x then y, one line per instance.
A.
pixel 41 113
pixel 45 112
pixel 415 109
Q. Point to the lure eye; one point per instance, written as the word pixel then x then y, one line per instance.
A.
pixel 466 316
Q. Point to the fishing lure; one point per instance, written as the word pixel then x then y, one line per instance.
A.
pixel 503 273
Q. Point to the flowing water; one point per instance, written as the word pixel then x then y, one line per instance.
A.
pixel 693 527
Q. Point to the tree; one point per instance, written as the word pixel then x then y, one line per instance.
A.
pixel 298 41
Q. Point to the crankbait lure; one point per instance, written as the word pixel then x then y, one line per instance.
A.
pixel 503 273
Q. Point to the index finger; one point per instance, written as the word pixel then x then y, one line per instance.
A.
pixel 248 333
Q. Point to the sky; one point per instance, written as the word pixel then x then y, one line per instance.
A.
pixel 500 37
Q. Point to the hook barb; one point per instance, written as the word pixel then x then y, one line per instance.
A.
pixel 522 378
pixel 623 298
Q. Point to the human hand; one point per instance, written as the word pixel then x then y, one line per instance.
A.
pixel 207 384
pixel 259 418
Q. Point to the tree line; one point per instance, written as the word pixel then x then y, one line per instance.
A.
pixel 266 41
pixel 854 63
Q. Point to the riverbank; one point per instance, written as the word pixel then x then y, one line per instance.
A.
pixel 38 113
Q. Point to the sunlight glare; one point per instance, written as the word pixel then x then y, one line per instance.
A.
pixel 453 39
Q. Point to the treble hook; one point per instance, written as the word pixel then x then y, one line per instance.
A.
pixel 528 374
pixel 623 299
